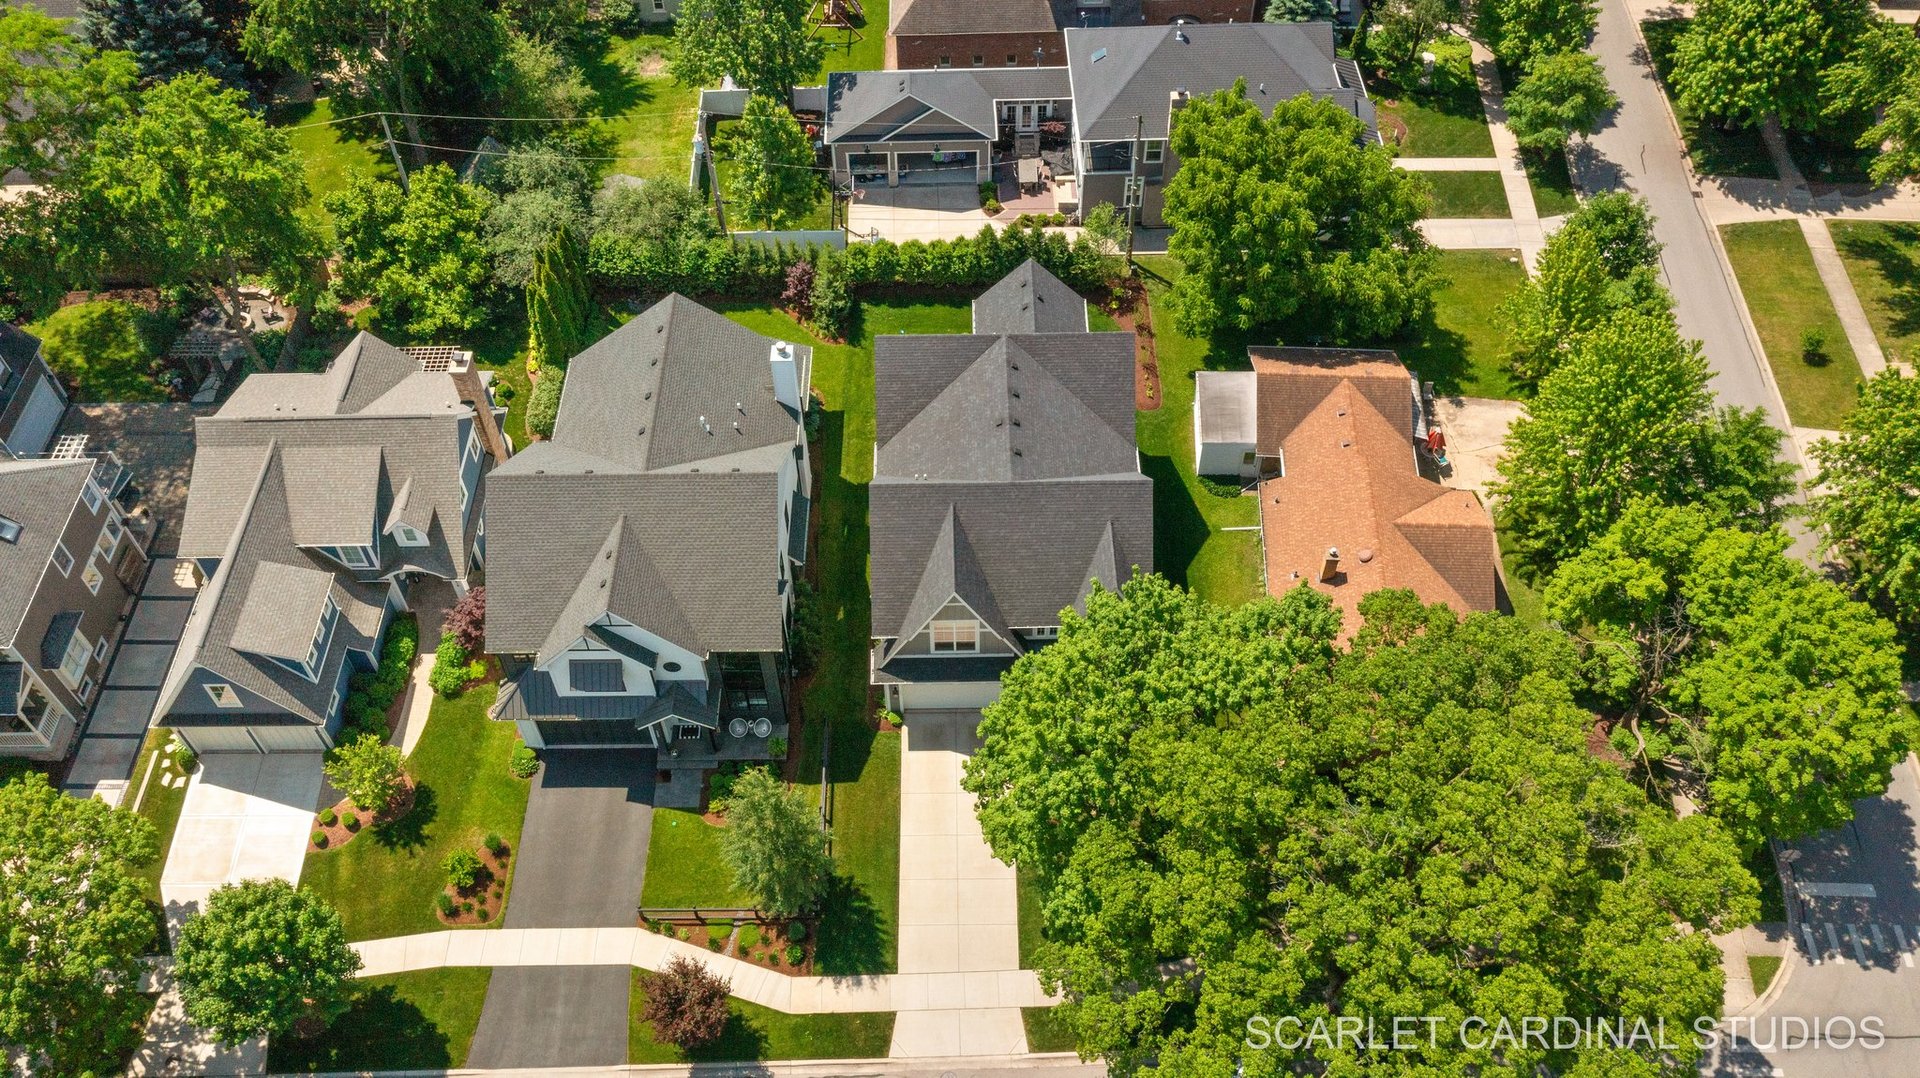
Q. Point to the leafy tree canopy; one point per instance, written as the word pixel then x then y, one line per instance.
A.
pixel 1771 695
pixel 1400 28
pixel 74 924
pixel 1746 61
pixel 766 45
pixel 1525 32
pixel 1628 414
pixel 1881 76
pixel 165 37
pixel 1570 293
pixel 1284 11
pixel 1622 229
pixel 369 771
pixel 1866 500
pixel 1227 820
pixel 1273 216
pixel 263 958
pixel 55 92
pixel 1561 95
pixel 774 844
pixel 773 181
pixel 420 254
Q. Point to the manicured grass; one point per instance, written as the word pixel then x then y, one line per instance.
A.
pixel 754 1032
pixel 422 1020
pixel 1027 893
pixel 1522 593
pixel 684 868
pixel 867 54
pixel 1458 347
pixel 1467 194
pixel 645 120
pixel 857 935
pixel 1715 151
pixel 1762 968
pixel 1883 260
pixel 1045 1031
pixel 1190 546
pixel 384 882
pixel 1786 298
pixel 1553 190
pixel 159 805
pixel 333 153
pixel 1443 120
pixel 1773 899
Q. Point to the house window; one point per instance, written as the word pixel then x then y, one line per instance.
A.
pixel 333 703
pixel 945 61
pixel 92 495
pixel 86 689
pixel 687 732
pixel 954 636
pixel 659 6
pixel 100 650
pixel 73 665
pixel 90 576
pixel 355 557
pixel 62 560
pixel 1012 60
pixel 223 695
pixel 407 536
pixel 109 540
pixel 979 60
pixel 1153 151
pixel 1045 632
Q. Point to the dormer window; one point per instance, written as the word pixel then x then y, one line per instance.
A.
pixel 407 535
pixel 956 636
pixel 355 557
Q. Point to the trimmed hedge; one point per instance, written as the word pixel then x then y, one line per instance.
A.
pixel 370 694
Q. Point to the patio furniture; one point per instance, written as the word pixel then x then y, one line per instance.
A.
pixel 762 726
pixel 1029 172
pixel 738 728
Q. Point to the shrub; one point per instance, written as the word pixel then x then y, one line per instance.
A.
pixel 805 634
pixel 467 621
pixel 351 820
pixel 444 903
pixel 484 914
pixel 720 784
pixel 796 954
pixel 543 406
pixel 495 845
pixel 1219 487
pixel 796 930
pixel 320 839
pixel 327 817
pixel 1813 346
pixel 524 762
pixel 686 1004
pixel 797 296
pixel 777 747
pixel 183 755
pixel 367 770
pixel 832 300
pixel 450 672
pixel 889 719
pixel 463 869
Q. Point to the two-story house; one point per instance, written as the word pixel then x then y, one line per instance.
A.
pixel 316 502
pixel 69 565
pixel 644 558
pixel 31 398
pixel 1006 488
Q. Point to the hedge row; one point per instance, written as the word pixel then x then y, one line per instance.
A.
pixel 371 693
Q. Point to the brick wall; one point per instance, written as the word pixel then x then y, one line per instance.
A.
pixel 905 53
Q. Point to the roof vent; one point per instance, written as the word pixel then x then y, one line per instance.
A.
pixel 1181 36
pixel 648 395
pixel 739 407
pixel 643 431
pixel 1365 555
pixel 9 530
pixel 1345 444
pixel 660 328
pixel 736 427
pixel 706 426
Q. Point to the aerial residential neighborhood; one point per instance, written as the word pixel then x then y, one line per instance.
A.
pixel 1241 537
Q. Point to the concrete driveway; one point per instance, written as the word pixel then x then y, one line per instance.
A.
pixel 582 861
pixel 1476 430
pixel 958 910
pixel 942 211
pixel 246 817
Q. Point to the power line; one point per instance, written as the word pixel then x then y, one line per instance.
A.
pixel 485 119
pixel 646 157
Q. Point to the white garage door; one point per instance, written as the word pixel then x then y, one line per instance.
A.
pixel 948 695
pixel 35 428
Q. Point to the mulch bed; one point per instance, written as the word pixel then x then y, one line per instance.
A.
pixel 481 904
pixel 769 952
pixel 339 835
pixel 1137 317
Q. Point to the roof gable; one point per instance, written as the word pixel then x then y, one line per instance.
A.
pixel 39 496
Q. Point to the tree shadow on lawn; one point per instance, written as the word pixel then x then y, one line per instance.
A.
pixel 1179 528
pixel 742 1041
pixel 1890 247
pixel 1436 354
pixel 380 1031
pixel 409 832
pixel 853 942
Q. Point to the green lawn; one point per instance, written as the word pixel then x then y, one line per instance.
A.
pixel 1714 150
pixel 1458 348
pixel 1553 191
pixel 645 118
pixel 1786 299
pixel 1027 891
pixel 684 868
pixel 1444 120
pixel 754 1032
pixel 332 153
pixel 867 54
pixel 406 1021
pixel 1468 194
pixel 1883 260
pixel 1045 1031
pixel 160 805
pixel 857 935
pixel 383 882
pixel 1189 545
pixel 1522 594
pixel 1762 967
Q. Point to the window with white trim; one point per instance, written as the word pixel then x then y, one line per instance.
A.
pixel 1044 632
pixel 110 534
pixel 956 636
pixel 86 689
pixel 355 557
pixel 90 576
pixel 62 560
pixel 407 535
pixel 1153 151
pixel 100 650
pixel 73 665
pixel 92 495
pixel 223 695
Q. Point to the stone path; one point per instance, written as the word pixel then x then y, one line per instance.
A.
pixel 507 947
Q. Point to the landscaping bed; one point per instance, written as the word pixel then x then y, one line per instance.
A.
pixel 754 1032
pixel 484 899
pixel 783 946
pixel 1790 308
pixel 336 826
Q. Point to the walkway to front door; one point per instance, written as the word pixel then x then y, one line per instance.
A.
pixel 958 908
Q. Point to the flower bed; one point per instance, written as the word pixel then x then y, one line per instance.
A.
pixel 482 902
pixel 768 944
pixel 330 829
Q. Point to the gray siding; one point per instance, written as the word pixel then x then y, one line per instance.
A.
pixel 99 614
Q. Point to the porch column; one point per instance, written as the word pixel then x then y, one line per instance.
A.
pixel 893 169
pixel 983 163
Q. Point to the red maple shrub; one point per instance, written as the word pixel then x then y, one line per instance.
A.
pixel 686 1003
pixel 467 621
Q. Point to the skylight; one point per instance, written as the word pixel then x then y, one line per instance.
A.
pixel 9 530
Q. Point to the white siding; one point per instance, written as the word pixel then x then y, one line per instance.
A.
pixel 290 738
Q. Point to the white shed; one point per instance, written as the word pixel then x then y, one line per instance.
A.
pixel 1225 423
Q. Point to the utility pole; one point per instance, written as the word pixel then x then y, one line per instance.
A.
pixel 704 152
pixel 1132 198
pixel 395 151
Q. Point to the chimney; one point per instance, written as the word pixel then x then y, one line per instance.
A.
pixel 786 375
pixel 473 391
pixel 1331 567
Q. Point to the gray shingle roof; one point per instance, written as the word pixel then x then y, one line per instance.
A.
pixel 1030 300
pixel 39 495
pixel 1141 66
pixel 17 347
pixel 282 610
pixel 334 494
pixel 873 106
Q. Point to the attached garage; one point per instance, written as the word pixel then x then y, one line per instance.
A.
pixel 948 695
pixel 206 739
pixel 947 166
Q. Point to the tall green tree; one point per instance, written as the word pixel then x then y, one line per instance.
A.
pixel 559 301
pixel 1622 228
pixel 1524 32
pixel 1292 214
pixel 55 92
pixel 193 190
pixel 393 45
pixel 773 181
pixel 1602 260
pixel 369 771
pixel 1562 94
pixel 1228 819
pixel 1401 28
pixel 1866 499
pixel 165 37
pixel 774 845
pixel 74 924
pixel 767 46
pixel 1746 61
pixel 1285 11
pixel 263 958
pixel 1881 77
pixel 1627 414
pixel 1768 693
pixel 420 254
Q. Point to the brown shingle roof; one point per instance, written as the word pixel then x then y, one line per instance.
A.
pixel 1351 483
